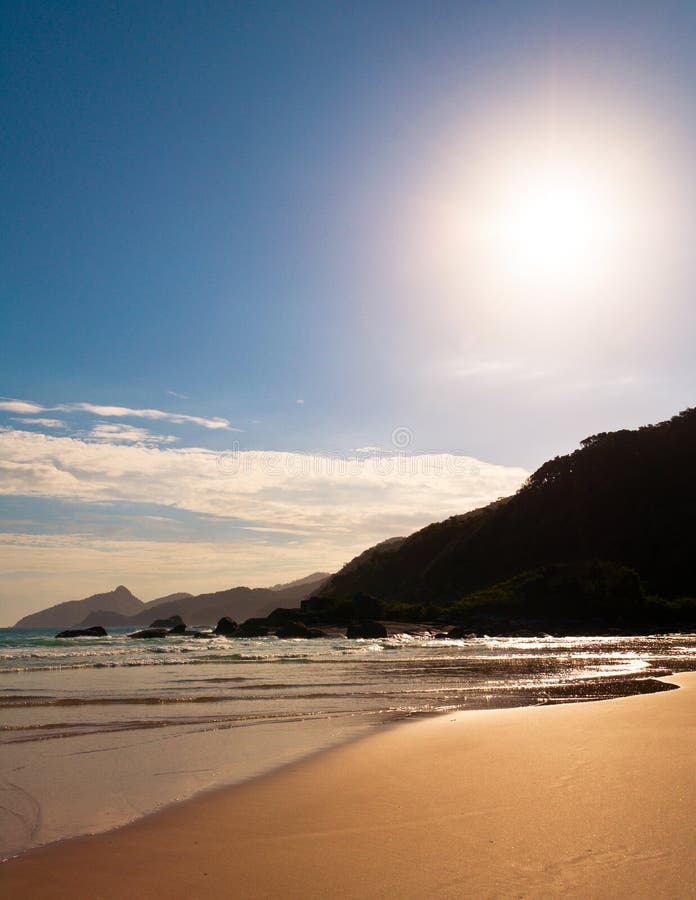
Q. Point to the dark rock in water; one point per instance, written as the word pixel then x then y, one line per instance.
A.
pixel 281 614
pixel 366 629
pixel 226 627
pixel 440 636
pixel 150 633
pixel 252 628
pixel 171 622
pixel 177 629
pixel 459 632
pixel 94 631
pixel 298 630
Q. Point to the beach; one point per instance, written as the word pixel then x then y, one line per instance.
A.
pixel 581 800
pixel 170 718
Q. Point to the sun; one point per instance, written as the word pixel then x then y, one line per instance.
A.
pixel 528 214
pixel 553 222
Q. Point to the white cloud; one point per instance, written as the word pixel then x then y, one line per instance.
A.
pixel 178 395
pixel 299 401
pixel 297 512
pixel 20 406
pixel 129 434
pixel 28 407
pixel 126 412
pixel 502 369
pixel 44 423
pixel 367 496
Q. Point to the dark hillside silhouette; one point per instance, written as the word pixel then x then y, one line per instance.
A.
pixel 626 497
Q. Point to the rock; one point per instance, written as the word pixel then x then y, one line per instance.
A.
pixel 459 632
pixel 171 622
pixel 313 604
pixel 177 629
pixel 366 607
pixel 282 614
pixel 366 629
pixel 226 627
pixel 93 631
pixel 298 630
pixel 150 633
pixel 252 628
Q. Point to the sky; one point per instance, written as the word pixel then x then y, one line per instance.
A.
pixel 281 280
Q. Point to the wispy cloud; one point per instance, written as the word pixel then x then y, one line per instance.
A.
pixel 503 369
pixel 294 513
pixel 20 406
pixel 128 434
pixel 28 407
pixel 178 395
pixel 43 423
pixel 157 414
pixel 367 497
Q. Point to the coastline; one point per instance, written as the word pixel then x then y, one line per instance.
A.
pixel 584 799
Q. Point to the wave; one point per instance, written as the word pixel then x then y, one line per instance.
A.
pixel 147 662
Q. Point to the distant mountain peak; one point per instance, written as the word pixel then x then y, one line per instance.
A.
pixel 120 607
pixel 72 612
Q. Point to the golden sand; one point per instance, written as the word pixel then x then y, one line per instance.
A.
pixel 590 800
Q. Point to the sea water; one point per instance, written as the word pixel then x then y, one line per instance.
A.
pixel 95 732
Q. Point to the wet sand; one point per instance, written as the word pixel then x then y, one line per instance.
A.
pixel 586 800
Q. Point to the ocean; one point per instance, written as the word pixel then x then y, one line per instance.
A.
pixel 95 732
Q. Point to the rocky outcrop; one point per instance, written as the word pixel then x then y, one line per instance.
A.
pixel 297 630
pixel 171 622
pixel 283 614
pixel 366 629
pixel 226 627
pixel 459 632
pixel 252 628
pixel 94 631
pixel 149 633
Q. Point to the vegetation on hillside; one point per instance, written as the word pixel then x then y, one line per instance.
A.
pixel 626 498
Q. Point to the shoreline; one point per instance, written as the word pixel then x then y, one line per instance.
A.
pixel 288 751
pixel 320 824
pixel 185 725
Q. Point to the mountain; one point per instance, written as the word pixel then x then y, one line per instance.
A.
pixel 301 582
pixel 72 612
pixel 626 497
pixel 119 608
pixel 180 595
pixel 106 618
pixel 238 603
pixel 109 618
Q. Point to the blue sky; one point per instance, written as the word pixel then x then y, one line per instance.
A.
pixel 233 223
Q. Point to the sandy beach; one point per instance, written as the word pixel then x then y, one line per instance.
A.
pixel 580 800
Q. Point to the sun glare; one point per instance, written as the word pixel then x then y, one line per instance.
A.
pixel 552 223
